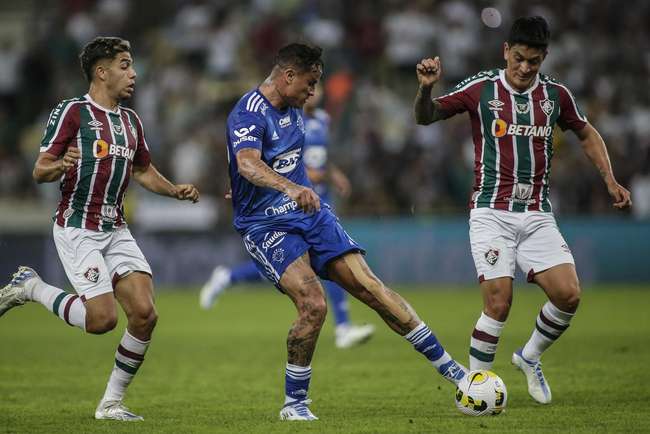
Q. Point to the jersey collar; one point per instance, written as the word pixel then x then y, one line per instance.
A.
pixel 92 101
pixel 502 77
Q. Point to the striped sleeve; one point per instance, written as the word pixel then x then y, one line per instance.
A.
pixel 462 98
pixel 142 157
pixel 571 118
pixel 62 127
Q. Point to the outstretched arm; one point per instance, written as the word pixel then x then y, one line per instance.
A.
pixel 252 168
pixel 594 147
pixel 154 181
pixel 426 110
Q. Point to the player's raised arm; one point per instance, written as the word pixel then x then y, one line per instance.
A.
pixel 154 181
pixel 594 147
pixel 251 167
pixel 428 72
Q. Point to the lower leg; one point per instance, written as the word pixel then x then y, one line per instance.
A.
pixel 338 302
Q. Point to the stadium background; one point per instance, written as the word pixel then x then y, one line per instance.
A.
pixel 410 183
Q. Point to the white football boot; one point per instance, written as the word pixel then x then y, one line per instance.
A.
pixel 219 281
pixel 538 387
pixel 297 410
pixel 18 291
pixel 115 410
pixel 350 335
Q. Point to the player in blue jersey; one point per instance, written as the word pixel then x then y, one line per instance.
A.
pixel 321 173
pixel 292 236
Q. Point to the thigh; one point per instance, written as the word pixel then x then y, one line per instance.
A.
pixel 135 293
pixel 300 283
pixel 123 256
pixel 493 243
pixel 328 240
pixel 274 251
pixel 542 247
pixel 80 251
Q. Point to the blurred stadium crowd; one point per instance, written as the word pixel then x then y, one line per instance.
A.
pixel 195 58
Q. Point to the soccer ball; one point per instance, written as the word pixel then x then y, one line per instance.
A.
pixel 481 393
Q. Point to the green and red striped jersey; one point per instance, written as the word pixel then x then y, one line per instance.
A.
pixel 111 142
pixel 513 137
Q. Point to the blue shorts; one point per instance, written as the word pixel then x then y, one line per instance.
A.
pixel 276 246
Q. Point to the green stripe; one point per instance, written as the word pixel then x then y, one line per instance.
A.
pixel 554 96
pixel 483 357
pixel 117 171
pixel 489 146
pixel 522 144
pixel 126 368
pixel 57 302
pixel 86 171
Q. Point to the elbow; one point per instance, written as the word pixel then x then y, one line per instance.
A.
pixel 38 176
pixel 422 121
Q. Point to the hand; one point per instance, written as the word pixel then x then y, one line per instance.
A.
pixel 70 158
pixel 620 195
pixel 305 197
pixel 228 194
pixel 429 71
pixel 187 192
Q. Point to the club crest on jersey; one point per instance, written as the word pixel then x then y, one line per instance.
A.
pixel 522 108
pixel 547 106
pixel 492 256
pixel 496 105
pixel 92 274
pixel 95 125
pixel 278 255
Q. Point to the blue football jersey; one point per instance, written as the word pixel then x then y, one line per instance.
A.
pixel 279 136
pixel 316 143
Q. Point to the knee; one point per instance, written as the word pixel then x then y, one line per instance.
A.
pixel 100 323
pixel 570 297
pixel 143 319
pixel 498 307
pixel 314 309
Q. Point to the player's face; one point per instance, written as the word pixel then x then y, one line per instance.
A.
pixel 522 65
pixel 302 87
pixel 120 79
pixel 314 100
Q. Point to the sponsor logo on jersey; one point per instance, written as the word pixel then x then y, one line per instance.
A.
pixel 281 209
pixel 500 128
pixel 68 213
pixel 285 163
pixel 272 239
pixel 278 255
pixel 496 105
pixel 101 149
pixel 522 193
pixel 109 213
pixel 522 108
pixel 95 125
pixel 547 106
pixel 285 121
pixel 243 135
pixel 492 256
pixel 92 274
pixel 117 129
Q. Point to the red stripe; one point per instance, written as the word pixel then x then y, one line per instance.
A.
pixel 68 305
pixel 103 173
pixel 550 323
pixel 71 177
pixel 130 354
pixel 485 337
pixel 477 136
pixel 506 154
pixel 538 147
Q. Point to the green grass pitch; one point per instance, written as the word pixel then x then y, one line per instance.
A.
pixel 223 370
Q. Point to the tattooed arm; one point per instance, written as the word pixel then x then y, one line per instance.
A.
pixel 426 110
pixel 594 147
pixel 252 168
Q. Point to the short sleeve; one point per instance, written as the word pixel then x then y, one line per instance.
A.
pixel 571 118
pixel 246 130
pixel 62 127
pixel 142 157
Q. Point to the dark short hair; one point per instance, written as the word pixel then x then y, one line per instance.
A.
pixel 102 47
pixel 530 31
pixel 301 56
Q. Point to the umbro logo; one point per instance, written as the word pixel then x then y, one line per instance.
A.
pixel 496 105
pixel 95 125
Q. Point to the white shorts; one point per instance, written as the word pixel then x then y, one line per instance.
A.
pixel 94 261
pixel 501 238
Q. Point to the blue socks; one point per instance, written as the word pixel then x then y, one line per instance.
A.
pixel 338 302
pixel 296 383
